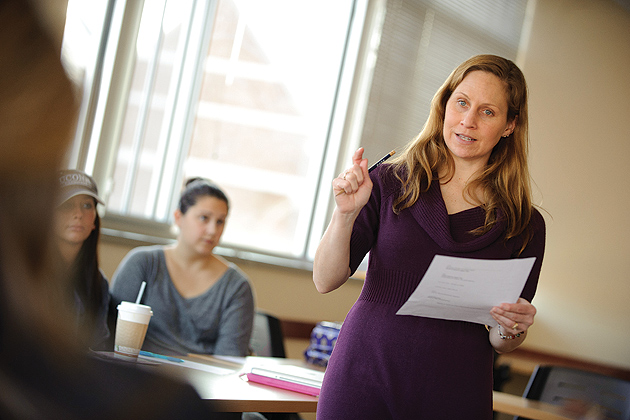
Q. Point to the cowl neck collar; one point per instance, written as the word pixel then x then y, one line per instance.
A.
pixel 431 214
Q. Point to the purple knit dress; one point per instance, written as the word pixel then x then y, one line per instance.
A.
pixel 388 366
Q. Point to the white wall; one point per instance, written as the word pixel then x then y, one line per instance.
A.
pixel 578 69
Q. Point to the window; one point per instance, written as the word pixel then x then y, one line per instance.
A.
pixel 268 99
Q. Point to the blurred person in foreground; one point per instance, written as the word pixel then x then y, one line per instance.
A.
pixel 44 374
pixel 461 189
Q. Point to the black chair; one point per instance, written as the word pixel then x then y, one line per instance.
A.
pixel 267 339
pixel 501 374
pixel 572 387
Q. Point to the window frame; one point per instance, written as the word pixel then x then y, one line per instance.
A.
pixel 101 119
pixel 97 140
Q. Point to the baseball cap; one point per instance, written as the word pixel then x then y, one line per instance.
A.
pixel 73 183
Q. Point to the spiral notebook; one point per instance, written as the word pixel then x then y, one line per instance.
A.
pixel 293 378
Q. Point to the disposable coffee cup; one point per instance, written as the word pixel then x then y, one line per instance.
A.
pixel 131 327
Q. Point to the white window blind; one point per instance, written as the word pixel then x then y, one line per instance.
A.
pixel 422 41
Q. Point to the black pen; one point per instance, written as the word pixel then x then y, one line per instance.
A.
pixel 371 168
pixel 383 159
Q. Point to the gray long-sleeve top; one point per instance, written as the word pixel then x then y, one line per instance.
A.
pixel 219 321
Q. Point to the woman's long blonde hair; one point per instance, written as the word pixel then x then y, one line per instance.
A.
pixel 505 179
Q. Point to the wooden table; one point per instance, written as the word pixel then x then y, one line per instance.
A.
pixel 230 392
pixel 519 406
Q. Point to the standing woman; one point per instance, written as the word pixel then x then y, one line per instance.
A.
pixel 461 188
pixel 77 230
pixel 201 303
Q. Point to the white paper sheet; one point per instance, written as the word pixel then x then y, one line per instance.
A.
pixel 466 289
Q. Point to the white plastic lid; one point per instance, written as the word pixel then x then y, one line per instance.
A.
pixel 135 308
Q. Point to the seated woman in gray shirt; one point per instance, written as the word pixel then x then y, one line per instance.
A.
pixel 201 303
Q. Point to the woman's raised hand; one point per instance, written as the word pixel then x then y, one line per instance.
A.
pixel 353 186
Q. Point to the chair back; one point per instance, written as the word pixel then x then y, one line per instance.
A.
pixel 267 339
pixel 570 387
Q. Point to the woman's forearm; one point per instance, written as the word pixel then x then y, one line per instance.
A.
pixel 331 267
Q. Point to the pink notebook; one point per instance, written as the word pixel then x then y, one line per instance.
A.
pixel 293 378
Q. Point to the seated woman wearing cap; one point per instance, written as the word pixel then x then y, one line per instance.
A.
pixel 77 229
pixel 201 303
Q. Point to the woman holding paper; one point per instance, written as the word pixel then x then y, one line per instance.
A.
pixel 201 303
pixel 461 188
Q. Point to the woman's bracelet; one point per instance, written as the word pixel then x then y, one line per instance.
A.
pixel 507 337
